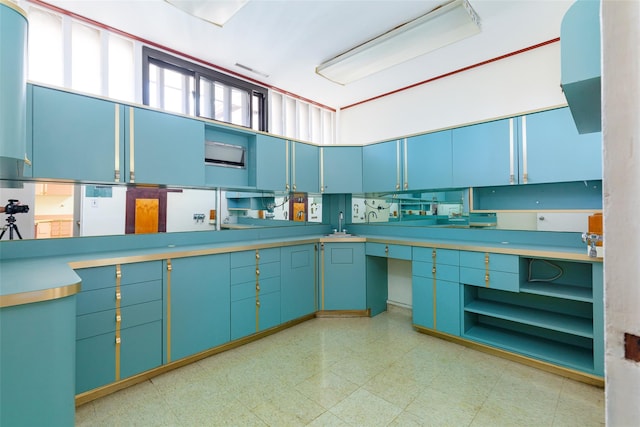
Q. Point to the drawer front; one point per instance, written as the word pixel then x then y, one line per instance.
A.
pixel 497 279
pixel 243 259
pixel 422 269
pixel 442 256
pixel 141 292
pixel 140 348
pixel 443 271
pixel 93 324
pixel 97 277
pixel 95 362
pixel 269 255
pixel 140 314
pixel 389 251
pixel 243 291
pixel 243 274
pixel 269 285
pixel 141 272
pixel 375 249
pixel 497 262
pixel 93 301
pixel 271 269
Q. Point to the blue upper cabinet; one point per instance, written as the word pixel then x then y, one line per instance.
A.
pixel 163 148
pixel 271 163
pixel 381 167
pixel 484 154
pixel 341 169
pixel 428 162
pixel 552 150
pixel 76 137
pixel 581 62
pixel 305 167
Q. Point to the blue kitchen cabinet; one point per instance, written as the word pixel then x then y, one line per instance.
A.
pixel 429 161
pixel 382 167
pixel 341 170
pixel 305 167
pixel 436 290
pixel 13 87
pixel 343 276
pixel 271 163
pixel 76 137
pixel 484 154
pixel 163 148
pixel 298 281
pixel 552 150
pixel 255 291
pixel 580 59
pixel 198 289
pixel 119 317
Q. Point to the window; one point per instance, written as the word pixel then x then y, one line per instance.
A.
pixel 46 53
pixel 295 118
pixel 176 85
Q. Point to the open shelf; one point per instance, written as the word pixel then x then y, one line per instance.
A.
pixel 540 318
pixel 575 293
pixel 552 351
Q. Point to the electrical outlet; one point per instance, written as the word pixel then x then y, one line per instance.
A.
pixel 632 347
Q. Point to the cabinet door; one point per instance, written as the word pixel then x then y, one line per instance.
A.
pixel 552 150
pixel 164 149
pixel 76 137
pixel 271 163
pixel 422 298
pixel 342 170
pixel 381 169
pixel 95 362
pixel 344 277
pixel 298 285
pixel 140 348
pixel 200 304
pixel 429 161
pixel 305 167
pixel 448 307
pixel 484 154
pixel 268 310
pixel 243 317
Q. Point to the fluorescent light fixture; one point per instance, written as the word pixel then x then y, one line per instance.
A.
pixel 217 12
pixel 444 25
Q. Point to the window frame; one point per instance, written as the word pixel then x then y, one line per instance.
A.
pixel 166 60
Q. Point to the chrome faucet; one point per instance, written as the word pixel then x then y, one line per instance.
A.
pixel 340 219
pixel 375 215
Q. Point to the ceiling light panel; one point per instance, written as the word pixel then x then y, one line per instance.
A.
pixel 444 25
pixel 217 12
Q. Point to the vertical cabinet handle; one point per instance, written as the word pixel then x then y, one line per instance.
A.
pixel 257 303
pixel 118 340
pixel 257 287
pixel 257 272
pixel 525 173
pixel 511 153
pixel 118 318
pixel 398 165
pixel 118 296
pixel 406 165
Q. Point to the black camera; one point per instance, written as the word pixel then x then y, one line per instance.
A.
pixel 13 207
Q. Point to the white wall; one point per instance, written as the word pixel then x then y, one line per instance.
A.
pixel 521 83
pixel 621 189
pixel 103 216
pixel 181 206
pixel 399 279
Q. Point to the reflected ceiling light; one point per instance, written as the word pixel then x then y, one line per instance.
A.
pixel 217 12
pixel 446 24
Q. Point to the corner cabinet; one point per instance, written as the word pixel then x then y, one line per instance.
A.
pixel 341 170
pixel 537 148
pixel 198 301
pixel 342 276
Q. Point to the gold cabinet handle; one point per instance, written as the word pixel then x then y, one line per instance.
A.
pixel 118 340
pixel 257 255
pixel 257 303
pixel 486 278
pixel 257 287
pixel 257 271
pixel 433 270
pixel 118 318
pixel 433 254
pixel 118 296
pixel 386 249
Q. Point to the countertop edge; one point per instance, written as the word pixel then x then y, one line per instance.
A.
pixel 42 295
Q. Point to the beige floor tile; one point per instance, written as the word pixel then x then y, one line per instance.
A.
pixel 362 408
pixel 288 408
pixel 395 385
pixel 407 419
pixel 327 388
pixel 358 370
pixel 580 404
pixel 327 419
pixel 436 408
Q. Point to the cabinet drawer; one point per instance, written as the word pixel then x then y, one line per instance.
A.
pixel 243 274
pixel 389 251
pixel 140 348
pixel 496 262
pixel 497 279
pixel 97 277
pixel 442 256
pixel 141 272
pixel 269 285
pixel 102 322
pixel 141 292
pixel 243 259
pixel 95 362
pixel 271 269
pixel 269 255
pixel 443 271
pixel 243 291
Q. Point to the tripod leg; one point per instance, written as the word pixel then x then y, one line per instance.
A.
pixel 2 234
pixel 17 232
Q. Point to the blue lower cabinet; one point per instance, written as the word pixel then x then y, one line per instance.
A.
pixel 268 310
pixel 343 276
pixel 442 316
pixel 243 317
pixel 95 362
pixel 200 300
pixel 140 348
pixel 298 284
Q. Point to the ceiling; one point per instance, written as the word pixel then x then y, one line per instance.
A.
pixel 287 39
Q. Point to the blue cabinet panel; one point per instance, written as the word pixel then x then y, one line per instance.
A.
pixel 95 362
pixel 389 250
pixel 270 284
pixel 163 148
pixel 76 137
pixel 141 272
pixel 269 310
pixel 481 154
pixel 381 168
pixel 271 163
pixel 430 161
pixel 494 262
pixel 448 307
pixel 97 277
pixel 298 285
pixel 243 317
pixel 243 274
pixel 243 290
pixel 243 259
pixel 140 348
pixel 422 297
pixel 305 167
pixel 200 301
pixel 343 278
pixel 141 292
pixel 342 170
pixel 556 152
pixel 492 279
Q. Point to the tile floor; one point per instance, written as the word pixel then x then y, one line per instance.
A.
pixel 351 372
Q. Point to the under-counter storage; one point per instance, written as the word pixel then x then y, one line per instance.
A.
pixel 388 250
pixel 497 271
pixel 119 323
pixel 556 316
pixel 343 276
pixel 298 291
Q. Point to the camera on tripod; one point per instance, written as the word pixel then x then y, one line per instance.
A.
pixel 13 207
